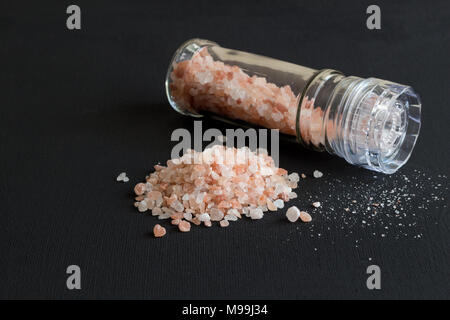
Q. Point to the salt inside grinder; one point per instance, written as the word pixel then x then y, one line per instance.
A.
pixel 369 122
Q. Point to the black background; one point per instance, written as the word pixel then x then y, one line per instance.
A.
pixel 79 107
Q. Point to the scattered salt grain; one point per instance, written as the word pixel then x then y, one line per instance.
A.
pixel 317 174
pixel 159 231
pixel 305 217
pixel 292 214
pixel 316 204
pixel 122 177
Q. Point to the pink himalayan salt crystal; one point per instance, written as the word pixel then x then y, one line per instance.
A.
pixel 208 223
pixel 305 217
pixel 218 184
pixel 224 223
pixel 139 189
pixel 184 226
pixel 159 231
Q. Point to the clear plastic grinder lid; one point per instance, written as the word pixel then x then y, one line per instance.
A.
pixel 383 125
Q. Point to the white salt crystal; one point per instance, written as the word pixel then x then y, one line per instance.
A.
pixel 292 214
pixel 316 204
pixel 294 177
pixel 292 195
pixel 317 174
pixel 256 214
pixel 122 177
pixel 279 204
pixel 231 217
pixel 142 207
pixel 216 214
pixel 204 217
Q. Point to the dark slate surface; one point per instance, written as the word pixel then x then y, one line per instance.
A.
pixel 79 107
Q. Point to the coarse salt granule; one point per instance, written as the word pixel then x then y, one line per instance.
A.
pixel 256 214
pixel 224 223
pixel 159 231
pixel 142 206
pixel 305 217
pixel 122 177
pixel 292 214
pixel 279 203
pixel 184 226
pixel 219 184
pixel 316 204
pixel 317 174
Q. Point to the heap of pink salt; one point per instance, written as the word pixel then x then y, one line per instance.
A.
pixel 219 184
pixel 204 84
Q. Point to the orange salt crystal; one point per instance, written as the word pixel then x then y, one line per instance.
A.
pixel 175 222
pixel 184 226
pixel 139 189
pixel 159 231
pixel 305 217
